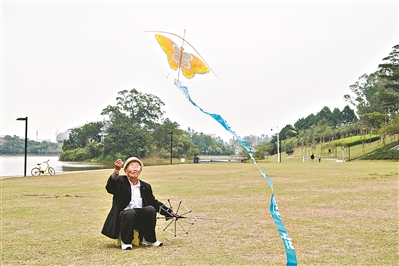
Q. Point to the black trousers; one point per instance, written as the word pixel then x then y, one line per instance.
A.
pixel 144 219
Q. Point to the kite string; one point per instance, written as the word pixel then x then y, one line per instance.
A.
pixel 288 246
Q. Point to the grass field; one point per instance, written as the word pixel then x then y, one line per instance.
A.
pixel 335 213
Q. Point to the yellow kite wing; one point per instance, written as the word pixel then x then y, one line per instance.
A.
pixel 192 65
pixel 169 47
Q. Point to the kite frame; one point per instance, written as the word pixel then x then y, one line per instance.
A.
pixel 176 217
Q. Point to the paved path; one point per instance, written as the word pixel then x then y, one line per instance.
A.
pixel 395 148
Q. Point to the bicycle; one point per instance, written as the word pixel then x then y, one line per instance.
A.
pixel 36 171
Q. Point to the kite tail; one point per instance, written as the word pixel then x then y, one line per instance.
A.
pixel 288 246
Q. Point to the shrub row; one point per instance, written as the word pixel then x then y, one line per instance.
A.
pixel 358 142
pixel 76 155
pixel 383 155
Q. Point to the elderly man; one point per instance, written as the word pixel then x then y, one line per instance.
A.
pixel 133 206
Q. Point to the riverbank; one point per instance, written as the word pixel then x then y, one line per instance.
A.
pixel 57 174
pixel 13 165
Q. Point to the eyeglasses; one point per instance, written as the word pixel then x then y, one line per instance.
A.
pixel 134 167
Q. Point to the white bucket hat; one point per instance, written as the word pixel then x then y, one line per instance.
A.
pixel 133 159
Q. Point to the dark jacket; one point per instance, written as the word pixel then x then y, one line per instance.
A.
pixel 121 190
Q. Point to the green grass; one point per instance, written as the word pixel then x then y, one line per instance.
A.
pixel 353 139
pixel 335 213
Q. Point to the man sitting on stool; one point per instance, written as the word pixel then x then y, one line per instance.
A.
pixel 133 206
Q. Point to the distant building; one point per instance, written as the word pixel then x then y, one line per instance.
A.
pixel 63 136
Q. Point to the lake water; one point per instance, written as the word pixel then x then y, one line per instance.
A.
pixel 14 165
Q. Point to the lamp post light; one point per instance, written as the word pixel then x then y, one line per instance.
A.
pixel 171 145
pixel 26 139
pixel 278 145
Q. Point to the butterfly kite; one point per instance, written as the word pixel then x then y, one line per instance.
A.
pixel 184 66
pixel 180 61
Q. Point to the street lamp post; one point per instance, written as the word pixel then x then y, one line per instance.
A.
pixel 171 145
pixel 278 145
pixel 26 139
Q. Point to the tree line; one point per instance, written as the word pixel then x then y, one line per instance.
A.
pixel 136 126
pixel 11 145
pixel 375 98
pixel 324 126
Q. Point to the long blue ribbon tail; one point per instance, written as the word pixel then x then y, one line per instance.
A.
pixel 288 246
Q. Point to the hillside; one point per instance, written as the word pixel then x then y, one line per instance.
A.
pixel 372 149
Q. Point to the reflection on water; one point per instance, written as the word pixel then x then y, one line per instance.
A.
pixel 79 166
pixel 13 165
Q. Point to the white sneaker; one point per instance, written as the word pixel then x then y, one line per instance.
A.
pixel 151 244
pixel 126 246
